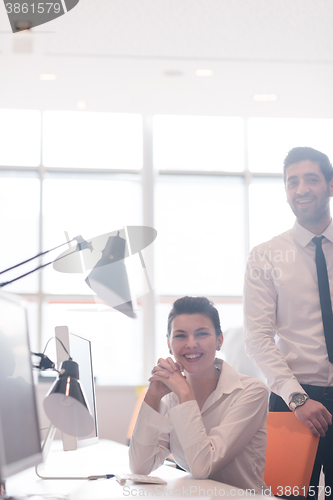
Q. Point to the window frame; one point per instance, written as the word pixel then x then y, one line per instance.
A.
pixel 147 178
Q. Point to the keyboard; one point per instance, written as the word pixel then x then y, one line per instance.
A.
pixel 138 478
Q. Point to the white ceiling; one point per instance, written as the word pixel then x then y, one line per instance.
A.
pixel 114 54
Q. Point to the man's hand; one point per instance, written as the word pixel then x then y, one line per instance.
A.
pixel 315 416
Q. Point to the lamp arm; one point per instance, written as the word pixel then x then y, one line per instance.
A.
pixel 5 283
pixel 81 245
pixel 45 362
pixel 36 256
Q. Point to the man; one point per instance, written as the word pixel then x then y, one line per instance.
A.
pixel 285 296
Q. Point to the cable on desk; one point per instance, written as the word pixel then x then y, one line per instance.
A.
pixel 89 478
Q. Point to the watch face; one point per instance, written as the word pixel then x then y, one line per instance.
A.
pixel 298 400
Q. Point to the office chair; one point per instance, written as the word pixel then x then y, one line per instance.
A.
pixel 291 452
pixel 142 393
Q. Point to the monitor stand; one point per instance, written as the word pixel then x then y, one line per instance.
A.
pixel 46 449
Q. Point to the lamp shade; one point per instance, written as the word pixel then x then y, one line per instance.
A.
pixel 109 278
pixel 65 404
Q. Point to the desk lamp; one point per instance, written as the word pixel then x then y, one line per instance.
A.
pixel 111 269
pixel 65 404
pixel 108 279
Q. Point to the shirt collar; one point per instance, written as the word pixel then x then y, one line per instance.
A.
pixel 228 382
pixel 328 233
pixel 229 379
pixel 304 236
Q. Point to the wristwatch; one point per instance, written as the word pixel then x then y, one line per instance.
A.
pixel 297 400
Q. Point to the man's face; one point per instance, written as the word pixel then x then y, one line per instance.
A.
pixel 308 193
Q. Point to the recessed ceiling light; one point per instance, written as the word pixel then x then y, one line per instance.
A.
pixel 204 72
pixel 47 77
pixel 265 97
pixel 81 105
pixel 173 72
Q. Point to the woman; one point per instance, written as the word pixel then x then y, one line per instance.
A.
pixel 212 419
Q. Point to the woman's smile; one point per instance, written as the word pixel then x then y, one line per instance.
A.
pixel 193 357
pixel 193 342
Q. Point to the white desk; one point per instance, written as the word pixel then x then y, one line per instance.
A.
pixel 108 457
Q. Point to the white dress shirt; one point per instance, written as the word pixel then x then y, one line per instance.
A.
pixel 281 298
pixel 226 441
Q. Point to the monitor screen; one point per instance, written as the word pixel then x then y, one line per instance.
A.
pixel 20 443
pixel 80 350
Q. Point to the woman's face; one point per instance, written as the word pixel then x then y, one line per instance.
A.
pixel 193 342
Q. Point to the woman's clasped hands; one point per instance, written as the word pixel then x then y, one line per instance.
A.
pixel 167 376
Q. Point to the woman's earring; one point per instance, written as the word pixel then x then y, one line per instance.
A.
pixel 170 351
pixel 218 348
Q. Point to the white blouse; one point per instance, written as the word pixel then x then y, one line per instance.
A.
pixel 225 441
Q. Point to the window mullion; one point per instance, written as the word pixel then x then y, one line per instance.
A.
pixel 148 301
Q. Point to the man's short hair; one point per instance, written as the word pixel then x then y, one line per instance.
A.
pixel 296 155
pixel 195 305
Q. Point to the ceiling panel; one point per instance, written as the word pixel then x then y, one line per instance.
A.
pixel 120 55
pixel 199 29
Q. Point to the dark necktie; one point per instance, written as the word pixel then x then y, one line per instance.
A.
pixel 324 295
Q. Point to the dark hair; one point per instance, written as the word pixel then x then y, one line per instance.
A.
pixel 296 155
pixel 195 305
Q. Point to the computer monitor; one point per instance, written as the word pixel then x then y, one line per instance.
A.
pixel 20 442
pixel 80 350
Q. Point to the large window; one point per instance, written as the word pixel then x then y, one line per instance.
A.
pixel 200 245
pixel 215 190
pixel 204 143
